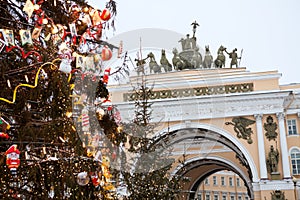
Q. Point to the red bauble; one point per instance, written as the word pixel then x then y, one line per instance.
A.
pixel 106 53
pixel 105 14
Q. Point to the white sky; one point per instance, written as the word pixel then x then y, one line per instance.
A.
pixel 268 31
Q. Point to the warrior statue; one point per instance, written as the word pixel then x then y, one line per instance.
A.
pixel 234 58
pixel 272 160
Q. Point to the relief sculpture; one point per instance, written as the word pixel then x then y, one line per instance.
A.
pixel 270 127
pixel 241 128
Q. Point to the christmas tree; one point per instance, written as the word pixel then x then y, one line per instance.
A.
pixel 146 171
pixel 51 55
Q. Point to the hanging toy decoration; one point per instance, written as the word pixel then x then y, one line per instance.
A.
pixel 95 179
pixel 106 53
pixel 12 158
pixel 106 76
pixel 85 120
pixel 83 178
pixel 65 66
pixel 4 126
pixel 105 14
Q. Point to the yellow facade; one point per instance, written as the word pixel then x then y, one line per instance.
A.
pixel 210 100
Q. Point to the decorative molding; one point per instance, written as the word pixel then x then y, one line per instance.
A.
pixel 273 185
pixel 198 91
pixel 258 117
pixel 196 108
pixel 280 115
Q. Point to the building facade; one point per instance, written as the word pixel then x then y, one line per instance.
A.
pixel 226 119
pixel 223 185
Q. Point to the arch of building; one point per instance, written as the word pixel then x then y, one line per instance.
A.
pixel 215 163
pixel 204 167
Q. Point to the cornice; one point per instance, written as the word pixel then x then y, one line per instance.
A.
pixel 204 107
pixel 197 79
pixel 274 185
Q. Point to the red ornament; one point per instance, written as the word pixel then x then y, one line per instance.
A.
pixel 95 178
pixel 106 76
pixel 4 135
pixel 4 125
pixel 12 157
pixel 106 53
pixel 105 14
pixel 107 104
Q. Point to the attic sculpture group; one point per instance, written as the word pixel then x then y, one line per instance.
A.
pixel 188 58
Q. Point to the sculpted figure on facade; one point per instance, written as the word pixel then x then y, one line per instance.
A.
pixel 140 64
pixel 194 24
pixel 153 64
pixel 272 160
pixel 241 128
pixel 165 64
pixel 196 58
pixel 277 195
pixel 208 58
pixel 178 64
pixel 234 57
pixel 220 60
pixel 270 127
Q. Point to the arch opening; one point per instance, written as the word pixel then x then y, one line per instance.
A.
pixel 207 151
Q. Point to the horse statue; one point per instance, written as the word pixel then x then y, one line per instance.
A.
pixel 153 64
pixel 208 59
pixel 196 60
pixel 220 61
pixel 177 62
pixel 164 61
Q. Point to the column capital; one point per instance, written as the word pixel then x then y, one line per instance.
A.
pixel 258 117
pixel 280 115
pixel 298 114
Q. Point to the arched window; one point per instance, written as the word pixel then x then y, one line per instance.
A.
pixel 295 159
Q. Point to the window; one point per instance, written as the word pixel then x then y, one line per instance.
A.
pixel 239 197
pixel 224 197
pixel 223 181
pixel 215 180
pixel 246 198
pixel 199 196
pixel 295 158
pixel 207 197
pixel 206 181
pixel 230 181
pixel 231 197
pixel 292 126
pixel 216 197
pixel 238 182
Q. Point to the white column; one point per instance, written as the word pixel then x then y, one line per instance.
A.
pixel 261 147
pixel 283 145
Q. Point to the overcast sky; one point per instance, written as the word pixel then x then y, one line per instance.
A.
pixel 268 31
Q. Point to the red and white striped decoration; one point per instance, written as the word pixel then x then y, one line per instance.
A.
pixel 85 120
pixel 106 53
pixel 105 14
